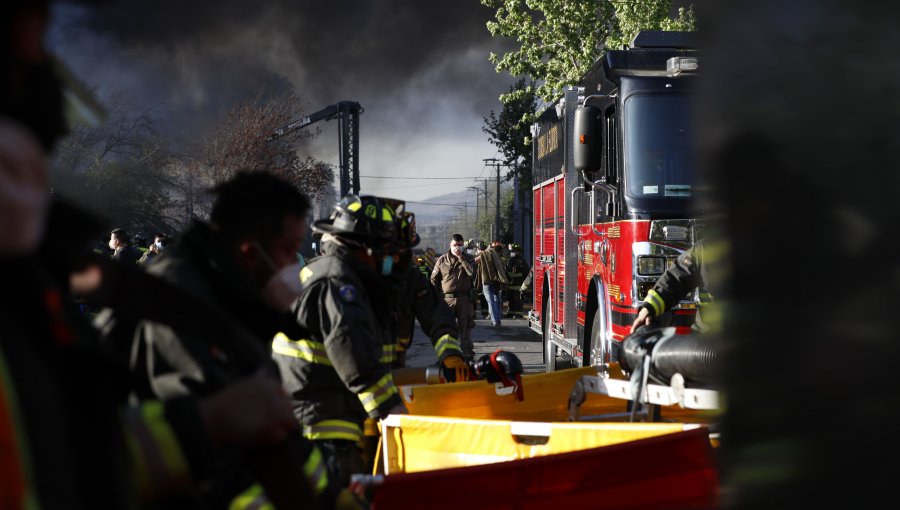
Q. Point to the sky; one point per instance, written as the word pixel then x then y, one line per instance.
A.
pixel 420 70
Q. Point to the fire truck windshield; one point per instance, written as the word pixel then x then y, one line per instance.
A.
pixel 658 152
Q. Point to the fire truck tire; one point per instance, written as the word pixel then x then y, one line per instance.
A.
pixel 597 350
pixel 549 347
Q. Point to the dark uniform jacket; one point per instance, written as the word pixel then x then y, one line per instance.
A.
pixel 416 298
pixel 178 362
pixel 337 374
pixel 696 269
pixel 206 350
pixel 127 255
pixel 453 276
pixel 63 398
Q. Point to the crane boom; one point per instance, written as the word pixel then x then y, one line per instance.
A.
pixel 347 114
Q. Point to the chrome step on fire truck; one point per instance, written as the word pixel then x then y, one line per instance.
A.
pixel 614 195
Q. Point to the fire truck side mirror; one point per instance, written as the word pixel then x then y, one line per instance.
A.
pixel 588 142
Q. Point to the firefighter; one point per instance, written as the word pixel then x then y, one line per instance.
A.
pixel 695 269
pixel 335 373
pixel 422 266
pixel 454 274
pixel 516 269
pixel 416 298
pixel 242 264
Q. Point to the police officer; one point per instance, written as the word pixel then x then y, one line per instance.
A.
pixel 335 374
pixel 454 273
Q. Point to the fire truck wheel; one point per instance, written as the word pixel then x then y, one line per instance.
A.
pixel 596 353
pixel 549 347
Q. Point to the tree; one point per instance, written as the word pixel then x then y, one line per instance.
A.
pixel 560 39
pixel 241 142
pixel 119 170
pixel 510 133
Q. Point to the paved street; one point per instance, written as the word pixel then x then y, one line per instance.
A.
pixel 514 336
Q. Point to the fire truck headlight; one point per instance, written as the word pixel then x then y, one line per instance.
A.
pixel 651 266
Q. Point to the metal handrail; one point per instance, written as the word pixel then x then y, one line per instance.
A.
pixel 572 210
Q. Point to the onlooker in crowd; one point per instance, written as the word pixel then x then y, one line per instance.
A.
pixel 479 304
pixel 492 276
pixel 334 369
pixel 122 249
pixel 454 274
pixel 160 242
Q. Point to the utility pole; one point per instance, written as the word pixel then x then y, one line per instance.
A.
pixel 486 200
pixel 477 207
pixel 497 165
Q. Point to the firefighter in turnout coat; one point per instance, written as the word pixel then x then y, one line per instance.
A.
pixel 337 376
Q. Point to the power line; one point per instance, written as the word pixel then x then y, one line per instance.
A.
pixel 418 178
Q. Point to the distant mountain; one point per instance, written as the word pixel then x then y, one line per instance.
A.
pixel 436 216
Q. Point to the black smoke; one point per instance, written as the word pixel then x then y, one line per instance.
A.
pixel 420 69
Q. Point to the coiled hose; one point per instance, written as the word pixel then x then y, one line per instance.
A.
pixel 693 355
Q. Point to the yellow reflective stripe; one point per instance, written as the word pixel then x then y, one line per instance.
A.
pixel 333 429
pixel 253 498
pixel 446 342
pixel 656 301
pixel 378 393
pixel 161 464
pixel 403 343
pixel 313 352
pixel 305 273
pixel 389 352
pixel 354 206
pixel 386 214
pixel 315 471
pixel 15 463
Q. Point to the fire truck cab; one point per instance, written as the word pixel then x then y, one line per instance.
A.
pixel 614 195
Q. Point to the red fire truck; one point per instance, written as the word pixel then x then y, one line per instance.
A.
pixel 614 197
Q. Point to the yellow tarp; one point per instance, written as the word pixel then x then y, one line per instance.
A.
pixel 422 443
pixel 546 400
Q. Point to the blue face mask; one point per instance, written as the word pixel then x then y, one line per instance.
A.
pixel 387 264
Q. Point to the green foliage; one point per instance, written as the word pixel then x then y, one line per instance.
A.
pixel 510 133
pixel 119 170
pixel 560 39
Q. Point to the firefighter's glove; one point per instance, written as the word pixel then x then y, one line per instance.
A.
pixel 455 369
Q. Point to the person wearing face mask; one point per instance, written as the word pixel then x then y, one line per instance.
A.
pixel 337 374
pixel 160 241
pixel 242 263
pixel 122 249
pixel 453 274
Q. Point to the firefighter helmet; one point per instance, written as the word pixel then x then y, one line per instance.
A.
pixel 365 218
pixel 503 367
pixel 406 222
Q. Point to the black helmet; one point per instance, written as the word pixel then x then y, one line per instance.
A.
pixel 504 367
pixel 365 218
pixel 406 222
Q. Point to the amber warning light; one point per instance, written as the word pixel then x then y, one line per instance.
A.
pixel 581 138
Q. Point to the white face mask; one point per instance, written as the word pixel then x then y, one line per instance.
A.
pixel 283 286
pixel 456 249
